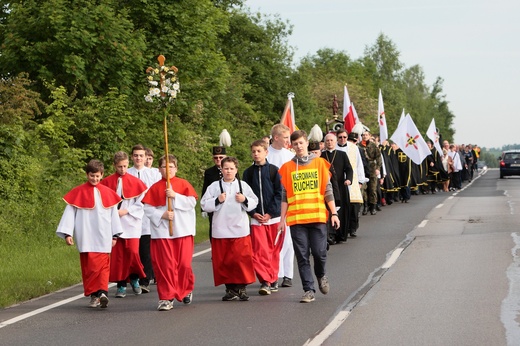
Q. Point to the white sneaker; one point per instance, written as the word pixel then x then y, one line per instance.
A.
pixel 165 305
pixel 94 302
pixel 307 297
pixel 323 283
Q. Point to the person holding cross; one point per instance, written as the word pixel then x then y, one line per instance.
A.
pixel 172 253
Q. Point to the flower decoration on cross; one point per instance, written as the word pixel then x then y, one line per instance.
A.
pixel 163 83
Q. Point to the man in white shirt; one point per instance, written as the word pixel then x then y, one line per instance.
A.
pixel 278 155
pixel 149 177
pixel 457 167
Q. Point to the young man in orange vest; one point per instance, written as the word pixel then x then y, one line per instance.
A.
pixel 306 189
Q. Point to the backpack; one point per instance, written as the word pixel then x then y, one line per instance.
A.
pixel 239 185
pixel 273 170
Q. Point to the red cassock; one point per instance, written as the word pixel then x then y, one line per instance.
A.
pixel 172 258
pixel 232 261
pixel 95 268
pixel 125 258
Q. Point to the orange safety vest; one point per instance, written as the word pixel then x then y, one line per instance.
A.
pixel 305 189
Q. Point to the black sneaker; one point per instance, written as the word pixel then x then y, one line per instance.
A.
pixel 230 295
pixel 103 300
pixel 274 286
pixel 188 298
pixel 286 282
pixel 242 294
pixel 265 290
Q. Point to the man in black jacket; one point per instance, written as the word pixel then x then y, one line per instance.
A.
pixel 264 180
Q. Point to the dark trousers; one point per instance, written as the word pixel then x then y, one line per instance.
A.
pixel 405 193
pixel 457 180
pixel 146 259
pixel 353 217
pixel 307 239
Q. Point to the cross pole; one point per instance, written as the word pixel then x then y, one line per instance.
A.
pixel 161 60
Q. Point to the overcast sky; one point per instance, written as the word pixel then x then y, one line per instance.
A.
pixel 474 45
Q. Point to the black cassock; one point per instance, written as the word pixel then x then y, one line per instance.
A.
pixel 211 175
pixel 342 170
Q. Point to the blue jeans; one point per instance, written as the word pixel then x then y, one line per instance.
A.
pixel 309 238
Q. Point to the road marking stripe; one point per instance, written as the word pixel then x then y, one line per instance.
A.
pixel 328 330
pixel 40 310
pixel 509 308
pixel 66 301
pixel 422 224
pixel 439 206
pixel 201 252
pixel 393 258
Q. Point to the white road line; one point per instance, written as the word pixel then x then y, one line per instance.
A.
pixel 63 302
pixel 510 307
pixel 422 224
pixel 201 252
pixel 342 315
pixel 439 206
pixel 393 258
pixel 40 310
pixel 328 330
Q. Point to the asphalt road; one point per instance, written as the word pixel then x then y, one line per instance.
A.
pixel 453 284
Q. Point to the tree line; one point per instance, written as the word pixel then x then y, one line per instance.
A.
pixel 73 84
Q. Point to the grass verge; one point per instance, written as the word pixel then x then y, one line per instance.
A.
pixel 34 265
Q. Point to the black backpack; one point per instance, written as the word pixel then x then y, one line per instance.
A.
pixel 273 170
pixel 239 184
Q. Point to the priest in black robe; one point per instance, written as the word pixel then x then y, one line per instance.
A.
pixel 343 175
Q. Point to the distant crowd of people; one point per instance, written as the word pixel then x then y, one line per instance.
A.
pixel 296 199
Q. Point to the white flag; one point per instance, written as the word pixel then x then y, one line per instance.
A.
pixel 401 119
pixel 409 139
pixel 434 136
pixel 355 114
pixel 383 131
pixel 349 118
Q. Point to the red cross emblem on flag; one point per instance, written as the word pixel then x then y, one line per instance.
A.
pixel 411 141
pixel 382 119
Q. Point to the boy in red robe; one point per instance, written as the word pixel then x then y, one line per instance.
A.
pixel 172 254
pixel 232 256
pixel 125 262
pixel 88 205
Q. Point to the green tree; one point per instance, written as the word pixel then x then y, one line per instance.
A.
pixel 19 148
pixel 81 45
pixel 384 69
pixel 443 115
pixel 256 47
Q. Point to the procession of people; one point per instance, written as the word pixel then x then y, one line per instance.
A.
pixel 298 198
